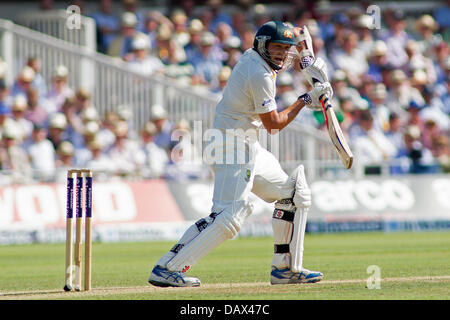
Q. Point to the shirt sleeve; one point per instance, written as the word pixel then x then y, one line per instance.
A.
pixel 263 90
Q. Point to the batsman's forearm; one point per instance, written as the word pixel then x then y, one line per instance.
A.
pixel 286 116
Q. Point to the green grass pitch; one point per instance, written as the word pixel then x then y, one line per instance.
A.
pixel 412 266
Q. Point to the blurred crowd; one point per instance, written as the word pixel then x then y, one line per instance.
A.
pixel 391 87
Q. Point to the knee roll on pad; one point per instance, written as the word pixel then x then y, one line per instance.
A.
pixel 302 194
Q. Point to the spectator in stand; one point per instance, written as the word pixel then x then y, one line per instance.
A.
pixel 380 111
pixel 163 42
pixel 185 161
pixel 340 25
pixel 442 16
pixel 378 60
pixel 175 40
pixel 324 20
pixel 121 45
pixel 219 86
pixel 222 33
pixel 238 21
pixel 154 19
pixel 188 7
pixel 24 82
pixel 367 87
pixel 82 152
pixel 354 13
pixel 419 158
pixel 247 35
pixel 429 132
pixel 372 147
pixel 192 49
pixel 417 61
pixel 401 94
pixel 435 108
pixel 133 7
pixel 442 53
pixel 56 129
pixel 366 38
pixel 180 29
pixel 99 163
pixel 209 63
pixel 13 158
pixel 107 25
pixel 151 25
pixel 319 50
pixel 59 91
pixel 106 133
pixel 350 59
pixel 24 126
pixel 42 154
pixel 426 27
pixel 219 14
pixel 64 160
pixel 74 126
pixel 419 81
pixel 343 90
pixel 5 118
pixel 232 49
pixel 128 158
pixel 38 81
pixel 142 62
pixel 82 100
pixel 441 151
pixel 260 15
pixel 414 118
pixel 206 17
pixel 357 112
pixel 35 112
pixel 395 132
pixel 158 116
pixel 396 40
pixel 156 158
pixel 5 97
pixel 285 95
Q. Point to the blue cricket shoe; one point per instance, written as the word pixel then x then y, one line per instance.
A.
pixel 286 276
pixel 162 277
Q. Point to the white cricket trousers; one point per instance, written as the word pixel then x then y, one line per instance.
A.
pixel 233 183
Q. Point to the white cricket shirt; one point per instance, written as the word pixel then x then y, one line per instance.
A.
pixel 250 91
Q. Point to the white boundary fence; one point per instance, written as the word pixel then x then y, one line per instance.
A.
pixel 112 85
pixel 81 31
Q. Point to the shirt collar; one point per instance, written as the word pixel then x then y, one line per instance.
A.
pixel 255 56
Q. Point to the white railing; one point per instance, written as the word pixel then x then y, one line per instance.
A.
pixel 62 24
pixel 108 79
pixel 112 85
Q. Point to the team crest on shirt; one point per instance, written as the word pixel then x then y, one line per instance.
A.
pixel 288 34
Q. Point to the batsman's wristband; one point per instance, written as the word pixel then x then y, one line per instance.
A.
pixel 306 98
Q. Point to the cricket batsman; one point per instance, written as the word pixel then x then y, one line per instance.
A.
pixel 248 103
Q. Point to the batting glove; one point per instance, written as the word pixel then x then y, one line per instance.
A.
pixel 312 98
pixel 315 71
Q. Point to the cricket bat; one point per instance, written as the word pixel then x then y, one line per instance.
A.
pixel 307 57
pixel 335 133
